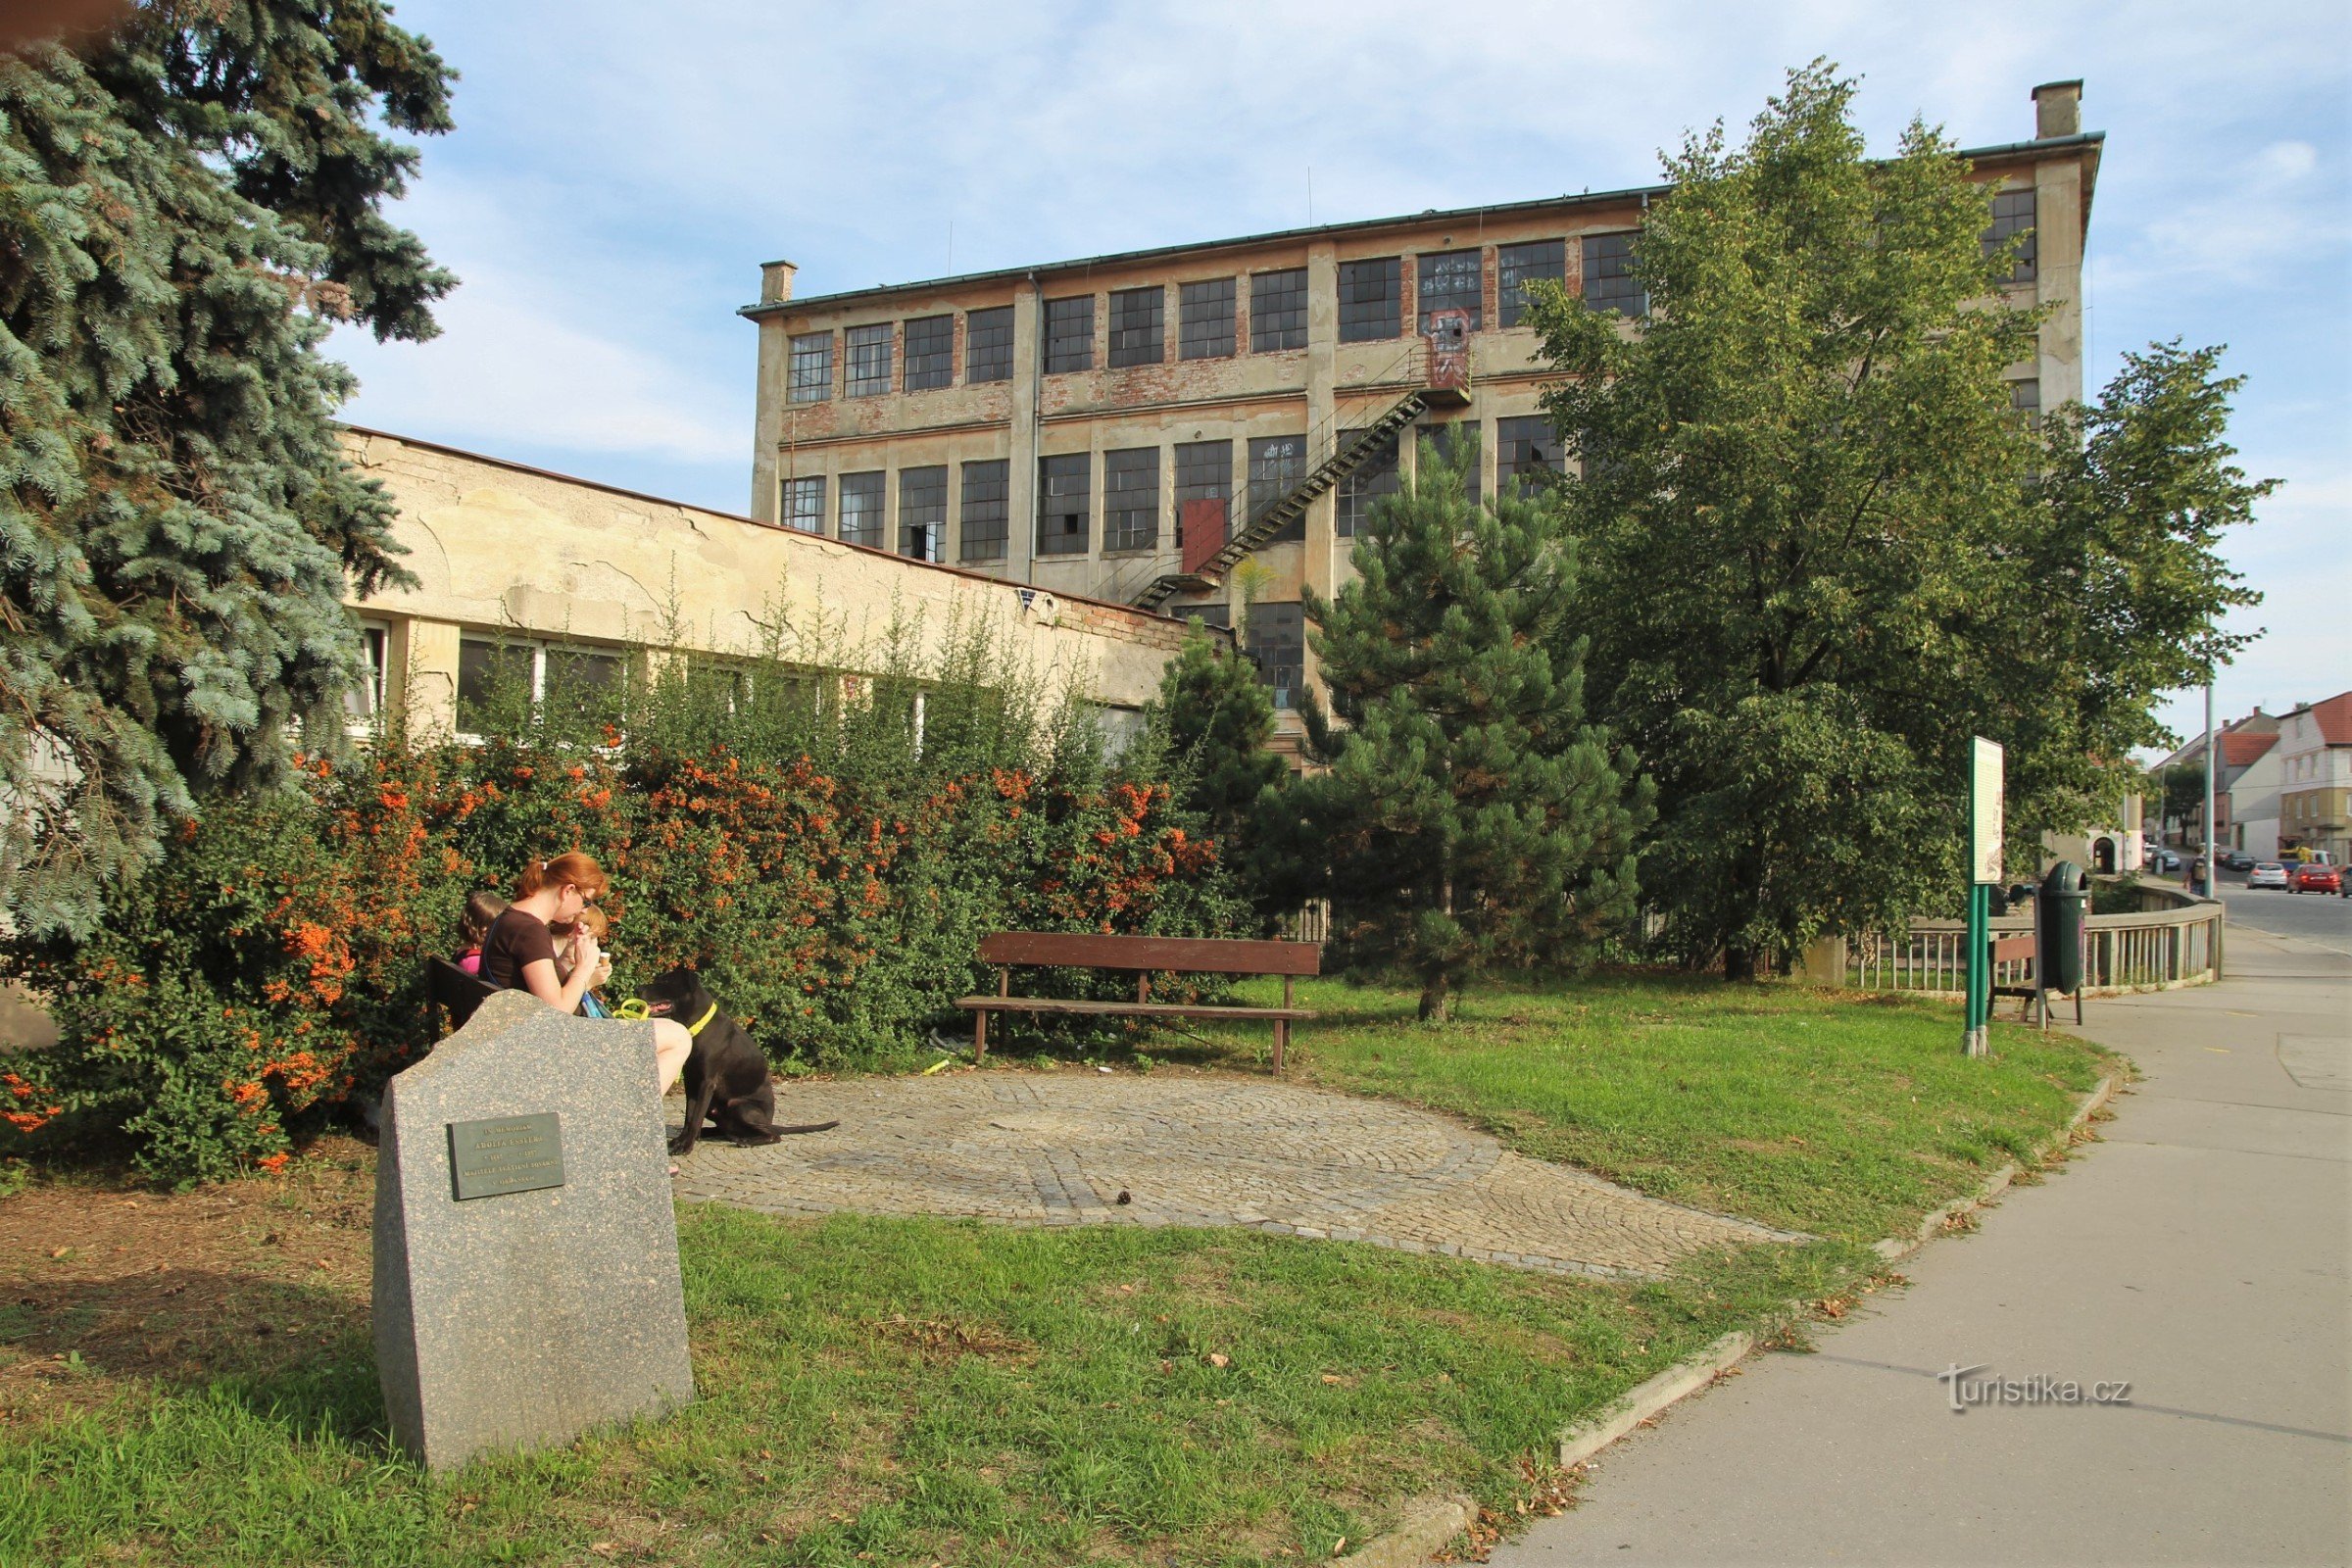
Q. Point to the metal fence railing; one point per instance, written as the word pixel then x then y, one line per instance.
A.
pixel 2148 950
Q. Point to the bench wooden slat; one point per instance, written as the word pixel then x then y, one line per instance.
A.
pixel 1191 955
pixel 1147 1009
pixel 2008 950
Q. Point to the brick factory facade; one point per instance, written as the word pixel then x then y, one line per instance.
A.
pixel 1128 427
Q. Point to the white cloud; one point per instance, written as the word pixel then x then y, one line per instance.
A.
pixel 540 348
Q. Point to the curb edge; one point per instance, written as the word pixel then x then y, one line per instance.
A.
pixel 1413 1542
pixel 1429 1523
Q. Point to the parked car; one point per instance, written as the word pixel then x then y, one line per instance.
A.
pixel 2267 875
pixel 2318 877
pixel 2167 860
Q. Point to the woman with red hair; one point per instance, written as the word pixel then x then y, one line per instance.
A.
pixel 520 952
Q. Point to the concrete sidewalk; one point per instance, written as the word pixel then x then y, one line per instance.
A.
pixel 2199 1252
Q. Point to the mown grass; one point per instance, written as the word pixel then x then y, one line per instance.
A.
pixel 906 1391
pixel 912 1392
pixel 1846 1116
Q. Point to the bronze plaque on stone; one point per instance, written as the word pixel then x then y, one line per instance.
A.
pixel 506 1155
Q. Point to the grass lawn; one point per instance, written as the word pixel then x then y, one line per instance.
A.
pixel 1843 1116
pixel 186 1378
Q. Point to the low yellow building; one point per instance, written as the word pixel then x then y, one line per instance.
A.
pixel 574 572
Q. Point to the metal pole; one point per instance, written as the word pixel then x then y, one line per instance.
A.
pixel 2212 766
pixel 1971 1038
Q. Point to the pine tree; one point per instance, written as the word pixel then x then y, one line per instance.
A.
pixel 1217 719
pixel 1470 818
pixel 186 203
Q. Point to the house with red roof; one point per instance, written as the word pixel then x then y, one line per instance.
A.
pixel 2315 785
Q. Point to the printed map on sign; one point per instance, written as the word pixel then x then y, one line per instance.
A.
pixel 1984 810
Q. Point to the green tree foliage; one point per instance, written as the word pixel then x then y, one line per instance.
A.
pixel 2181 791
pixel 1215 718
pixel 1820 550
pixel 1470 818
pixel 186 203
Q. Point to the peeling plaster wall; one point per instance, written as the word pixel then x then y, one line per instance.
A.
pixel 501 548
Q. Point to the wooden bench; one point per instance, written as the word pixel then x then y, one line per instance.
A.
pixel 1144 954
pixel 453 992
pixel 2024 949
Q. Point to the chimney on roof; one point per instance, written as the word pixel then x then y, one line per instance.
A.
pixel 775 282
pixel 2057 110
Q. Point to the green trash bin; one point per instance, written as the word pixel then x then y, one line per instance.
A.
pixel 2065 901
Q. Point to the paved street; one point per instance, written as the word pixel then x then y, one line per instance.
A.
pixel 2318 917
pixel 1080 1148
pixel 2199 1252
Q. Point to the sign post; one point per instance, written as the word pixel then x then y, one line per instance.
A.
pixel 1983 875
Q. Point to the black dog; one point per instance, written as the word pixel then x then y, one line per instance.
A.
pixel 726 1076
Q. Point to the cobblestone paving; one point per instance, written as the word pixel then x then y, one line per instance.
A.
pixel 1060 1149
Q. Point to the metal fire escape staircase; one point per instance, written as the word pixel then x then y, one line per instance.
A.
pixel 1291 506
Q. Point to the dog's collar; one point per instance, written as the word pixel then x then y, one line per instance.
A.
pixel 700 1024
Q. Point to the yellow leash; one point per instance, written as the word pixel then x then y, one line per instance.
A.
pixel 698 1024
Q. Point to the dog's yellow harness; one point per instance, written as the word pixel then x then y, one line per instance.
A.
pixel 636 1011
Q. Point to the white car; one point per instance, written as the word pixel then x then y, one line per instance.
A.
pixel 2267 875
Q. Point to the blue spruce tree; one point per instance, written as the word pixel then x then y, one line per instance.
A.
pixel 187 203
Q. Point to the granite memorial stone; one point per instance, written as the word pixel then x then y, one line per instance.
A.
pixel 526 1252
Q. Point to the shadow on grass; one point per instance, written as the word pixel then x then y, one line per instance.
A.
pixel 285 1350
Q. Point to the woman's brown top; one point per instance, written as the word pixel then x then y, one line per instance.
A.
pixel 517 938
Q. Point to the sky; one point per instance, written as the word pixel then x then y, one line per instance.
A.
pixel 620 171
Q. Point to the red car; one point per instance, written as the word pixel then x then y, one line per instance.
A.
pixel 2318 879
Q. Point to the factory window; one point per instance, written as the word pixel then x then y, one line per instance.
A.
pixel 1278 643
pixel 1524 450
pixel 923 514
pixel 1063 504
pixel 2025 398
pixel 1131 499
pixel 1517 265
pixel 1276 466
pixel 988 345
pixel 1609 281
pixel 1204 472
pixel 1070 334
pixel 1204 323
pixel 2013 213
pixel 1449 281
pixel 1139 331
pixel 987 487
pixel 930 353
pixel 1376 476
pixel 805 503
pixel 861 502
pixel 811 378
pixel 1277 310
pixel 869 361
pixel 1368 300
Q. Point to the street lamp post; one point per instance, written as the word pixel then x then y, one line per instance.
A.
pixel 2212 768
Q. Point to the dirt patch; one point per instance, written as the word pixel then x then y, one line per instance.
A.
pixel 951 1339
pixel 103 1281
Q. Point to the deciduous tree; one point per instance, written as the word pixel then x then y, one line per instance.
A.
pixel 1820 549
